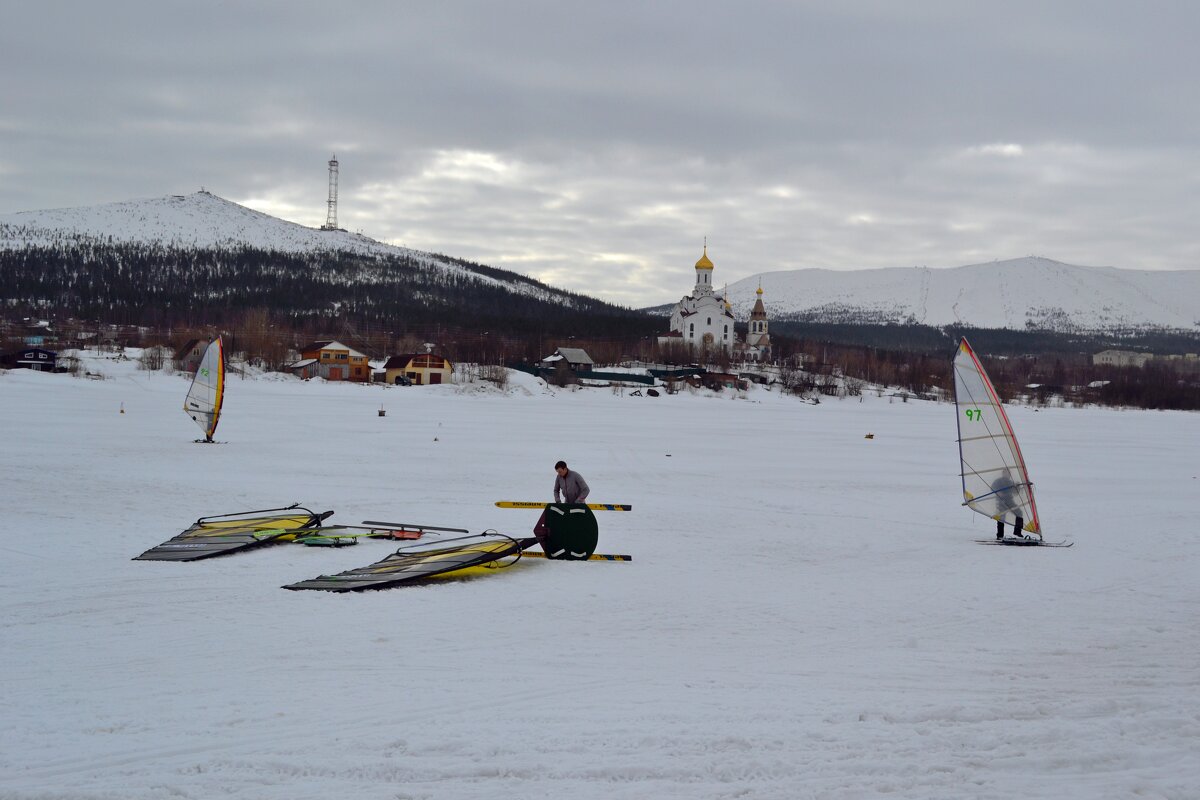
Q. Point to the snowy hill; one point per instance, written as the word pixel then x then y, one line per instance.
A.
pixel 188 221
pixel 1020 293
pixel 201 259
pixel 204 220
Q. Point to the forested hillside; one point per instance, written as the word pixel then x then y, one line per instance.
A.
pixel 158 286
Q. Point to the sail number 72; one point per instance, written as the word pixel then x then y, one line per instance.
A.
pixel 974 414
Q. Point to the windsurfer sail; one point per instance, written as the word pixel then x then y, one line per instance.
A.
pixel 229 533
pixel 203 401
pixel 451 558
pixel 994 478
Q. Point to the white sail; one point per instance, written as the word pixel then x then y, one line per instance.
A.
pixel 994 478
pixel 203 402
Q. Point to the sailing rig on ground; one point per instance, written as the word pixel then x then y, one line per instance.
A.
pixel 995 481
pixel 204 398
pixel 463 557
pixel 230 533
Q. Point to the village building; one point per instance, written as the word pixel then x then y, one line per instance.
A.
pixel 188 357
pixel 332 361
pixel 576 359
pixel 35 358
pixel 757 346
pixel 702 320
pixel 1121 358
pixel 565 365
pixel 418 369
pixel 38 333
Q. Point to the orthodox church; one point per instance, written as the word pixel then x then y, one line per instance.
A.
pixel 758 340
pixel 701 319
pixel 704 320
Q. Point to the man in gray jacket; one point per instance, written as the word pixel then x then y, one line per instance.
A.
pixel 571 485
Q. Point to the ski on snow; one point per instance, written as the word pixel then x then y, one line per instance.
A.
pixel 1024 542
pixel 592 506
pixel 592 557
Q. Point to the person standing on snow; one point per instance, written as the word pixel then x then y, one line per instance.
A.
pixel 569 487
pixel 1004 488
pixel 573 487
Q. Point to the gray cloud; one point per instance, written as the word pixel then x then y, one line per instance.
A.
pixel 595 145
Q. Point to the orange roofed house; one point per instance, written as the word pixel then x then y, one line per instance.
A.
pixel 332 361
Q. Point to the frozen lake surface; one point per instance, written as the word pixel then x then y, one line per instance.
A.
pixel 806 614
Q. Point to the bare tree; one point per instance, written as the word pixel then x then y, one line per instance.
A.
pixel 153 358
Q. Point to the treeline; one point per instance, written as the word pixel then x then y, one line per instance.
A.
pixel 162 287
pixel 931 340
pixel 1041 378
pixel 269 303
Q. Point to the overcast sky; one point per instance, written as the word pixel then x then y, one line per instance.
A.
pixel 594 145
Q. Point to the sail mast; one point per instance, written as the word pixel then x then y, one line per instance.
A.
pixel 220 387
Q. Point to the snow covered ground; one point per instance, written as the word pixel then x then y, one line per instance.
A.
pixel 805 616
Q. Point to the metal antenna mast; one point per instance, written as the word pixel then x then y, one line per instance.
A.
pixel 331 217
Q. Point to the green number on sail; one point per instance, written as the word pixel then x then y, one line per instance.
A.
pixel 974 414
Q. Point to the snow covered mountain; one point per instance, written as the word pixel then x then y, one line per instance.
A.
pixel 204 220
pixel 1020 293
pixel 200 260
pixel 196 220
pixel 1033 293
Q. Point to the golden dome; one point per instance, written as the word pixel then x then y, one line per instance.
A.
pixel 704 263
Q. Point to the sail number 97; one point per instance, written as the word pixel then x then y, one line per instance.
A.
pixel 974 414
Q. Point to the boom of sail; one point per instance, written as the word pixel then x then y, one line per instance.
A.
pixel 994 478
pixel 203 401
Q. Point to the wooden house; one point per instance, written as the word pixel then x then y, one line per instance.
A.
pixel 419 368
pixel 576 357
pixel 34 358
pixel 188 357
pixel 332 361
pixel 305 368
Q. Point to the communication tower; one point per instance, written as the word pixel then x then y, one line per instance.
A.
pixel 331 216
